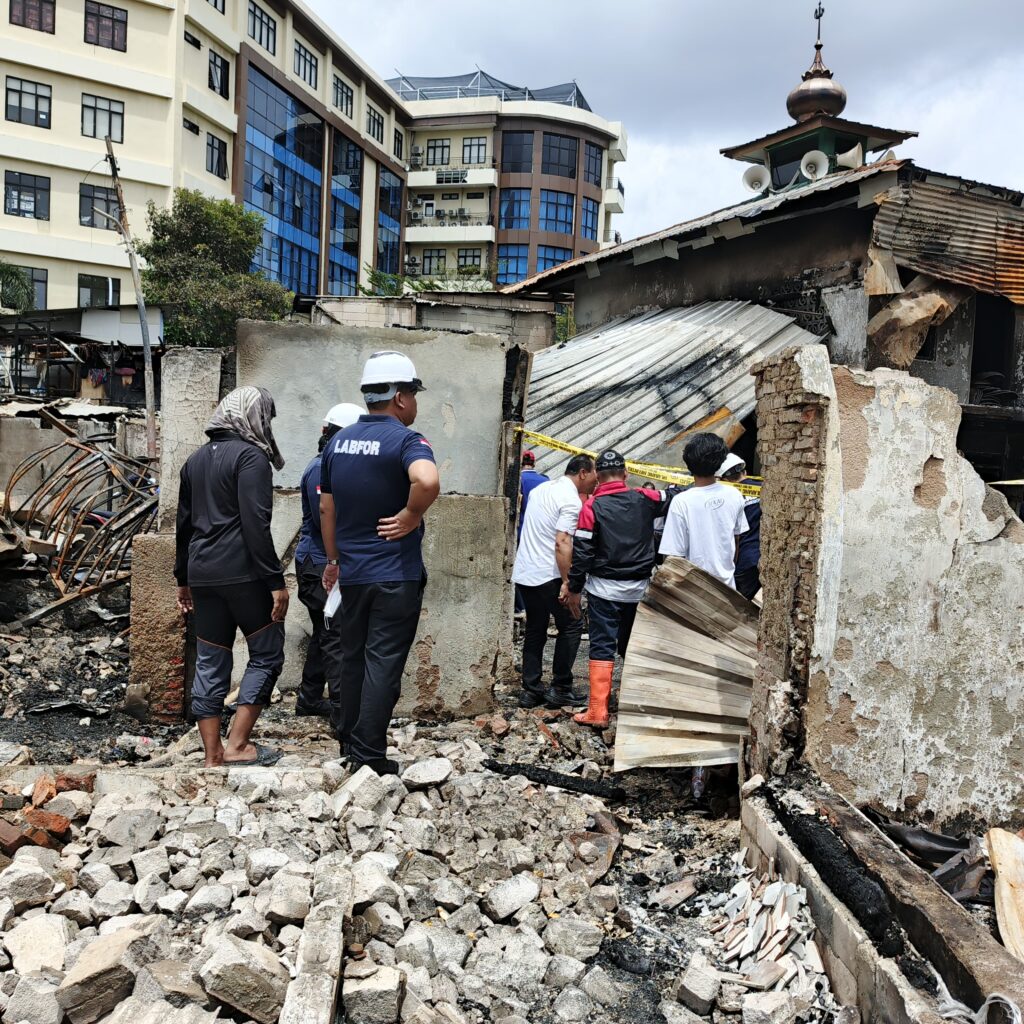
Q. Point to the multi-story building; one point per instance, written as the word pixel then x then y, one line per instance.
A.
pixel 255 100
pixel 505 180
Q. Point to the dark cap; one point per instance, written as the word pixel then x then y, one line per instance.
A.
pixel 529 458
pixel 610 459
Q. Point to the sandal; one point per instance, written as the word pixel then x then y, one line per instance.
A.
pixel 265 757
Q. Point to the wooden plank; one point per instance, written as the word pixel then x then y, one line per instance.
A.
pixel 1007 853
pixel 691 725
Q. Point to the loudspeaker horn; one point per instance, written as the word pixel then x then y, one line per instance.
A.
pixel 852 158
pixel 814 165
pixel 756 178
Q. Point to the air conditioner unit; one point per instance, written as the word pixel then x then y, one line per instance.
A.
pixel 463 212
pixel 416 216
pixel 440 214
pixel 417 201
pixel 411 271
pixel 417 151
pixel 415 160
pixel 452 214
pixel 412 260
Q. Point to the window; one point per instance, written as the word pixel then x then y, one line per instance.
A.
pixel 98 291
pixel 343 96
pixel 556 211
pixel 438 151
pixel 389 230
pixel 306 65
pixel 106 26
pixel 34 14
pixel 95 200
pixel 399 143
pixel 449 197
pixel 216 156
pixel 514 209
pixel 512 261
pixel 593 158
pixel 217 5
pixel 193 40
pixel 220 70
pixel 434 260
pixel 474 195
pixel 474 151
pixel 559 155
pixel 38 278
pixel 26 195
pixel 469 261
pixel 343 241
pixel 190 126
pixel 28 102
pixel 549 256
pixel 262 27
pixel 588 219
pixel 428 208
pixel 374 123
pixel 102 117
pixel 517 152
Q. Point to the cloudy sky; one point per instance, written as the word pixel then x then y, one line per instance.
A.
pixel 688 77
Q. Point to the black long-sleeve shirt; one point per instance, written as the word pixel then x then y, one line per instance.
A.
pixel 224 507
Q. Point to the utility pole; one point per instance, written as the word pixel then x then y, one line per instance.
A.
pixel 147 352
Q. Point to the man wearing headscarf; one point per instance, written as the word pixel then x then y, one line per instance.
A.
pixel 229 576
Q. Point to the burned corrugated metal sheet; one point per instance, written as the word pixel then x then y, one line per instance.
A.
pixel 636 382
pixel 744 211
pixel 966 238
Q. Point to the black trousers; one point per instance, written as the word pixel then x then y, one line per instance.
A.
pixel 377 626
pixel 748 581
pixel 313 596
pixel 218 612
pixel 541 603
pixel 611 625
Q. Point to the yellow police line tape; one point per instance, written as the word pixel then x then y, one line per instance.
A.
pixel 648 470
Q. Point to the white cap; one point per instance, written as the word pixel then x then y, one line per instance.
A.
pixel 730 463
pixel 343 415
pixel 389 368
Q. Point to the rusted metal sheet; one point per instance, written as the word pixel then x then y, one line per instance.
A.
pixel 955 235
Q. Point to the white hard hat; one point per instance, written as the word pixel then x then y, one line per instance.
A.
pixel 389 368
pixel 730 463
pixel 343 415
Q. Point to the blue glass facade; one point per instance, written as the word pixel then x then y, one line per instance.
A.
pixel 512 260
pixel 389 228
pixel 556 209
pixel 343 245
pixel 284 149
pixel 588 218
pixel 549 256
pixel 514 209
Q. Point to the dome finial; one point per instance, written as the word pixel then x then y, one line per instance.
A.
pixel 817 93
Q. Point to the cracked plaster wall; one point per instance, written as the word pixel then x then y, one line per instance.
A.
pixel 919 703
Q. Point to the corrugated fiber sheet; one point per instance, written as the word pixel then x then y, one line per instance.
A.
pixel 636 382
pixel 969 239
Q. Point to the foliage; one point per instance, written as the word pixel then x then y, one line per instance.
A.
pixel 382 283
pixel 197 268
pixel 16 290
pixel 565 322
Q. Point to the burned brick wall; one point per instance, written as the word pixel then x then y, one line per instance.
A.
pixel 791 444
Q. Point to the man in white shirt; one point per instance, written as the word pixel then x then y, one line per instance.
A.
pixel 541 568
pixel 705 521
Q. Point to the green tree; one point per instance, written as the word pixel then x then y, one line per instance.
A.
pixel 565 322
pixel 197 269
pixel 15 288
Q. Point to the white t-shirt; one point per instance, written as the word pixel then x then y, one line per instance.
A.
pixel 702 526
pixel 554 508
pixel 623 591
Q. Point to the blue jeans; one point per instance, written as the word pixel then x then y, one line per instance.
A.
pixel 611 622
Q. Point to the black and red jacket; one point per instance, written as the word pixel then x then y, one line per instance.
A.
pixel 615 536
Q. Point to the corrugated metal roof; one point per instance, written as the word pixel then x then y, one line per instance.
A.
pixel 746 211
pixel 971 239
pixel 637 381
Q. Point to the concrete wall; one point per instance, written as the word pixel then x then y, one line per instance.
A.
pixel 914 650
pixel 310 368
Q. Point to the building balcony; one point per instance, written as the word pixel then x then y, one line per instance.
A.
pixel 454 176
pixel 611 238
pixel 614 195
pixel 448 230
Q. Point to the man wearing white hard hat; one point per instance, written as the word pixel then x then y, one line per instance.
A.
pixel 310 562
pixel 378 478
